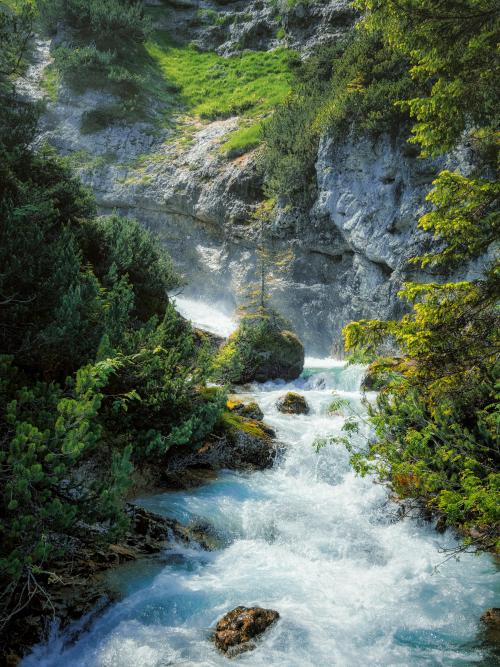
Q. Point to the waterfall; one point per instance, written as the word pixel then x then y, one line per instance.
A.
pixel 354 584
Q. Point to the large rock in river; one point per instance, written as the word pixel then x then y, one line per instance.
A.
pixel 262 348
pixel 236 630
pixel 238 443
pixel 293 404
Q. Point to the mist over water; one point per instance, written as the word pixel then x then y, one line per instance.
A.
pixel 354 586
pixel 206 316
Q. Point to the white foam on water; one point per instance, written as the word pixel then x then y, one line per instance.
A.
pixel 206 316
pixel 353 585
pixel 323 362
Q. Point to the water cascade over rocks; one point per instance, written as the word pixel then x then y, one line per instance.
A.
pixel 353 584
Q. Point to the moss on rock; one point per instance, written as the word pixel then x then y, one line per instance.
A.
pixel 249 410
pixel 293 404
pixel 263 348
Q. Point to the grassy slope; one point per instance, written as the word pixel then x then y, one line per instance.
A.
pixel 209 86
pixel 186 81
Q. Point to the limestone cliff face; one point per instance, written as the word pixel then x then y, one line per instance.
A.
pixel 349 250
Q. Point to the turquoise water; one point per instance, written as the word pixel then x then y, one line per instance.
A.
pixel 354 585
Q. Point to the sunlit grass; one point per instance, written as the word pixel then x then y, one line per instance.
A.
pixel 50 82
pixel 212 86
pixel 243 140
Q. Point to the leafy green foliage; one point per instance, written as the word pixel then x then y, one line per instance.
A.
pixel 436 421
pixel 453 49
pixel 50 429
pixel 465 217
pixel 16 29
pixel 98 371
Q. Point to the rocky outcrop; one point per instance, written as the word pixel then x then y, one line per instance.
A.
pixel 229 26
pixel 236 631
pixel 349 251
pixel 239 443
pixel 245 443
pixel 251 444
pixel 293 404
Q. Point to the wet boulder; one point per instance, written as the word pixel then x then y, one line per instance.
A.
pixel 236 631
pixel 293 404
pixel 491 625
pixel 248 410
pixel 252 411
pixel 237 443
pixel 249 443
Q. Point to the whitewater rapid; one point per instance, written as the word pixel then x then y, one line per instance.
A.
pixel 353 584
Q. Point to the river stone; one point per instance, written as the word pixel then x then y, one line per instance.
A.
pixel 293 404
pixel 234 631
pixel 250 444
pixel 491 623
pixel 249 410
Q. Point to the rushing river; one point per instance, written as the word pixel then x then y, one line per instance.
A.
pixel 354 586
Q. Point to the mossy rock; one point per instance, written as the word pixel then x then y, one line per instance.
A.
pixel 293 404
pixel 252 411
pixel 249 443
pixel 235 424
pixel 263 348
pixel 249 410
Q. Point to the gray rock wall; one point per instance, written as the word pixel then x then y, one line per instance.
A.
pixel 349 252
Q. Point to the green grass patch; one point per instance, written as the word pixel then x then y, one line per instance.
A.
pixel 163 79
pixel 243 140
pixel 50 82
pixel 211 86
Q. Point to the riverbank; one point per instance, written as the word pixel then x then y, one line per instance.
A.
pixel 76 589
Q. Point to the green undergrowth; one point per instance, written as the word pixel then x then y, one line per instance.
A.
pixel 243 140
pixel 163 81
pixel 13 5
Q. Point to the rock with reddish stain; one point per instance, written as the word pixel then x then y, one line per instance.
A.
pixel 236 630
pixel 491 625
